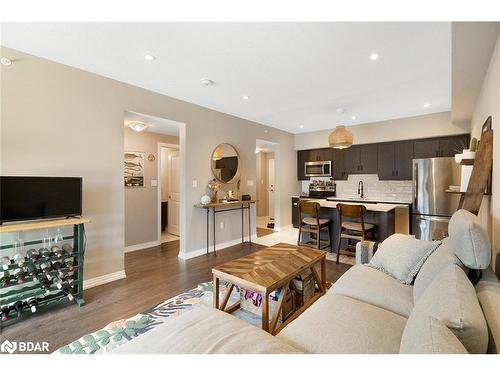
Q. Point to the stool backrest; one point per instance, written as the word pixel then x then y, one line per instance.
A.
pixel 351 210
pixel 308 208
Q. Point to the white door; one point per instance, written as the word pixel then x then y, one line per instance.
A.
pixel 174 195
pixel 270 187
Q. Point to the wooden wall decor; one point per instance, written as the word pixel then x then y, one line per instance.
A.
pixel 481 173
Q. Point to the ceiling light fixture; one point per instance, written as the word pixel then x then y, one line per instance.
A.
pixel 301 126
pixel 340 138
pixel 246 97
pixel 207 82
pixel 149 57
pixel 427 105
pixel 374 56
pixel 353 117
pixel 137 126
pixel 5 61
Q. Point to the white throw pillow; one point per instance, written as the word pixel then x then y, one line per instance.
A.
pixel 401 256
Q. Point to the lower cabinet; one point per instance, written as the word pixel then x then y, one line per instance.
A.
pixel 295 212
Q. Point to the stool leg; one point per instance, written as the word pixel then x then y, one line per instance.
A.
pixel 338 244
pixel 330 242
pixel 319 237
pixel 300 232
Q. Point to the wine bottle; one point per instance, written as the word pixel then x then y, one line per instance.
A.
pixel 18 306
pixel 5 262
pixel 45 268
pixel 69 262
pixel 31 270
pixel 5 278
pixel 56 250
pixel 44 282
pixel 45 253
pixel 56 265
pixel 5 313
pixel 67 247
pixel 33 254
pixel 68 291
pixel 32 303
pixel 19 260
pixel 19 275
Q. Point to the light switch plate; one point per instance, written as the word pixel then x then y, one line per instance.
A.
pixel 249 182
pixel 154 183
pixel 195 183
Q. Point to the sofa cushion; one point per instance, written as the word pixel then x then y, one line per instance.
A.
pixel 401 256
pixel 370 285
pixel 339 324
pixel 429 336
pixel 205 330
pixel 451 298
pixel 443 257
pixel 472 245
pixel 488 293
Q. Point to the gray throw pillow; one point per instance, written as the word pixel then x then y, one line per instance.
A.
pixel 401 256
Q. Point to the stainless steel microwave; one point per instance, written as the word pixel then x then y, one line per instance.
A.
pixel 318 168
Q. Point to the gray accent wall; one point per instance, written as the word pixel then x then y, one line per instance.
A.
pixel 61 121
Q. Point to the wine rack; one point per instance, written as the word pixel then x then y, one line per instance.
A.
pixel 22 294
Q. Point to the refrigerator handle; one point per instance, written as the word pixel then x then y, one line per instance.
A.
pixel 415 184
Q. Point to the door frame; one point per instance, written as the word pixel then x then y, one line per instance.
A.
pixel 159 146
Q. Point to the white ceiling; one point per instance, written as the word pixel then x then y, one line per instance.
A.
pixel 294 73
pixel 155 124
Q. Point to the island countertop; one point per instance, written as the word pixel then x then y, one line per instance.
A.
pixel 376 207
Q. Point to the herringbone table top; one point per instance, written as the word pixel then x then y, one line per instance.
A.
pixel 269 268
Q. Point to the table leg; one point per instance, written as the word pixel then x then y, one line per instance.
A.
pixel 323 271
pixel 226 297
pixel 213 210
pixel 249 225
pixel 208 226
pixel 265 312
pixel 276 315
pixel 242 225
pixel 321 285
pixel 216 292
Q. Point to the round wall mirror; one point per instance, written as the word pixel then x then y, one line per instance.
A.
pixel 225 163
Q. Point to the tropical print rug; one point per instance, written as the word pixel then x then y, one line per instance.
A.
pixel 122 331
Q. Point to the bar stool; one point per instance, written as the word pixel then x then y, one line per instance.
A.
pixel 352 230
pixel 313 224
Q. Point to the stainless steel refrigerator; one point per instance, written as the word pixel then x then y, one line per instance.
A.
pixel 432 206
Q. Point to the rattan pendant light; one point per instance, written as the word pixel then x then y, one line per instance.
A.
pixel 340 138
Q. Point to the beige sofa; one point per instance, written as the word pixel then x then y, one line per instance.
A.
pixel 366 311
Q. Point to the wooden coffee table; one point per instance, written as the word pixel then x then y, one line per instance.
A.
pixel 266 271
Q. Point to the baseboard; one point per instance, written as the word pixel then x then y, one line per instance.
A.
pixel 218 247
pixel 141 246
pixel 104 279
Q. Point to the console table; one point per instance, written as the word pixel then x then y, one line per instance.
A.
pixel 219 207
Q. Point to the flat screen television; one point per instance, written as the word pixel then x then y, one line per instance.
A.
pixel 29 198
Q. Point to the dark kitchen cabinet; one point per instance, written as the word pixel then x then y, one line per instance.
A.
pixel 320 154
pixel 449 146
pixel 338 164
pixel 395 160
pixel 352 160
pixel 426 148
pixel 302 157
pixel 361 159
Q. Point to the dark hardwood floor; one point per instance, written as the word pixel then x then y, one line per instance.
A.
pixel 153 275
pixel 261 232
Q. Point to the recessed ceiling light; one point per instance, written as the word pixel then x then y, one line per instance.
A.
pixel 149 57
pixel 427 105
pixel 207 82
pixel 246 97
pixel 374 56
pixel 5 61
pixel 353 117
pixel 137 126
pixel 301 126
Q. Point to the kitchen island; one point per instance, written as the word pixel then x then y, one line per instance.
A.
pixel 382 215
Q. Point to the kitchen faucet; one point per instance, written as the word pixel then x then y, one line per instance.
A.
pixel 360 189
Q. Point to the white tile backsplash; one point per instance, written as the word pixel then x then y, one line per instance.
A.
pixel 374 189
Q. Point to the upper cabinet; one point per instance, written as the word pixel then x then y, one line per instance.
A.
pixel 390 160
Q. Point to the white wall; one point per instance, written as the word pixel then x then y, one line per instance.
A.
pixel 488 104
pixel 426 126
pixel 59 120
